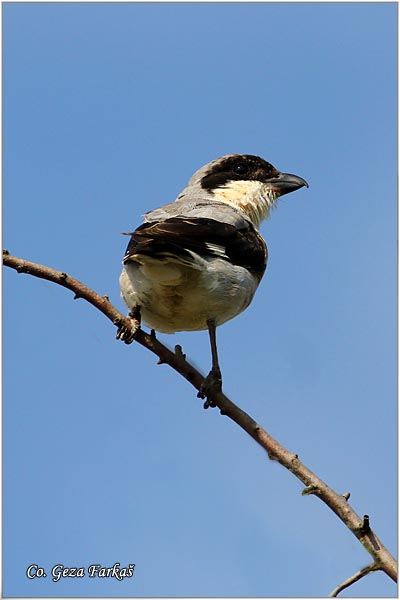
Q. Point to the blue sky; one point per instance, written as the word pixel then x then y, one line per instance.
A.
pixel 108 109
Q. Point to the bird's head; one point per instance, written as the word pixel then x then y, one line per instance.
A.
pixel 247 182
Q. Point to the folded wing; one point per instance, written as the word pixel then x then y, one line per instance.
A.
pixel 181 236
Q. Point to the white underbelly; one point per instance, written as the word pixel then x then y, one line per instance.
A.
pixel 175 297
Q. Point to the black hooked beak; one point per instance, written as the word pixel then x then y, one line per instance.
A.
pixel 285 183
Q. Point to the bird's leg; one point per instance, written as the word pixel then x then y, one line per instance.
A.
pixel 213 382
pixel 127 333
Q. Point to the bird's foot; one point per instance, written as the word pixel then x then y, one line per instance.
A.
pixel 211 385
pixel 127 332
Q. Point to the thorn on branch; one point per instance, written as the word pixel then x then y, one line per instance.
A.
pixel 64 276
pixel 179 355
pixel 153 334
pixel 346 496
pixel 272 455
pixel 5 252
pixel 106 298
pixel 365 527
pixel 178 350
pixel 310 489
pixel 366 530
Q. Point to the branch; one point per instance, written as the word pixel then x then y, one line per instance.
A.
pixel 356 577
pixel 338 503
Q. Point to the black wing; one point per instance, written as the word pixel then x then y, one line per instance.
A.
pixel 243 247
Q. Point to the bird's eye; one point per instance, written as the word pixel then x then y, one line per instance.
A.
pixel 240 169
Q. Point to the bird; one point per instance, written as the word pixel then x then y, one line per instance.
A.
pixel 195 263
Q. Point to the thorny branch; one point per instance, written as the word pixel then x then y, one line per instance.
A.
pixel 338 503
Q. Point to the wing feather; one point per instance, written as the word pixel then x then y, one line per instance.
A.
pixel 180 236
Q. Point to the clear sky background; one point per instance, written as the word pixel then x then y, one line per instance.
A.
pixel 108 110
